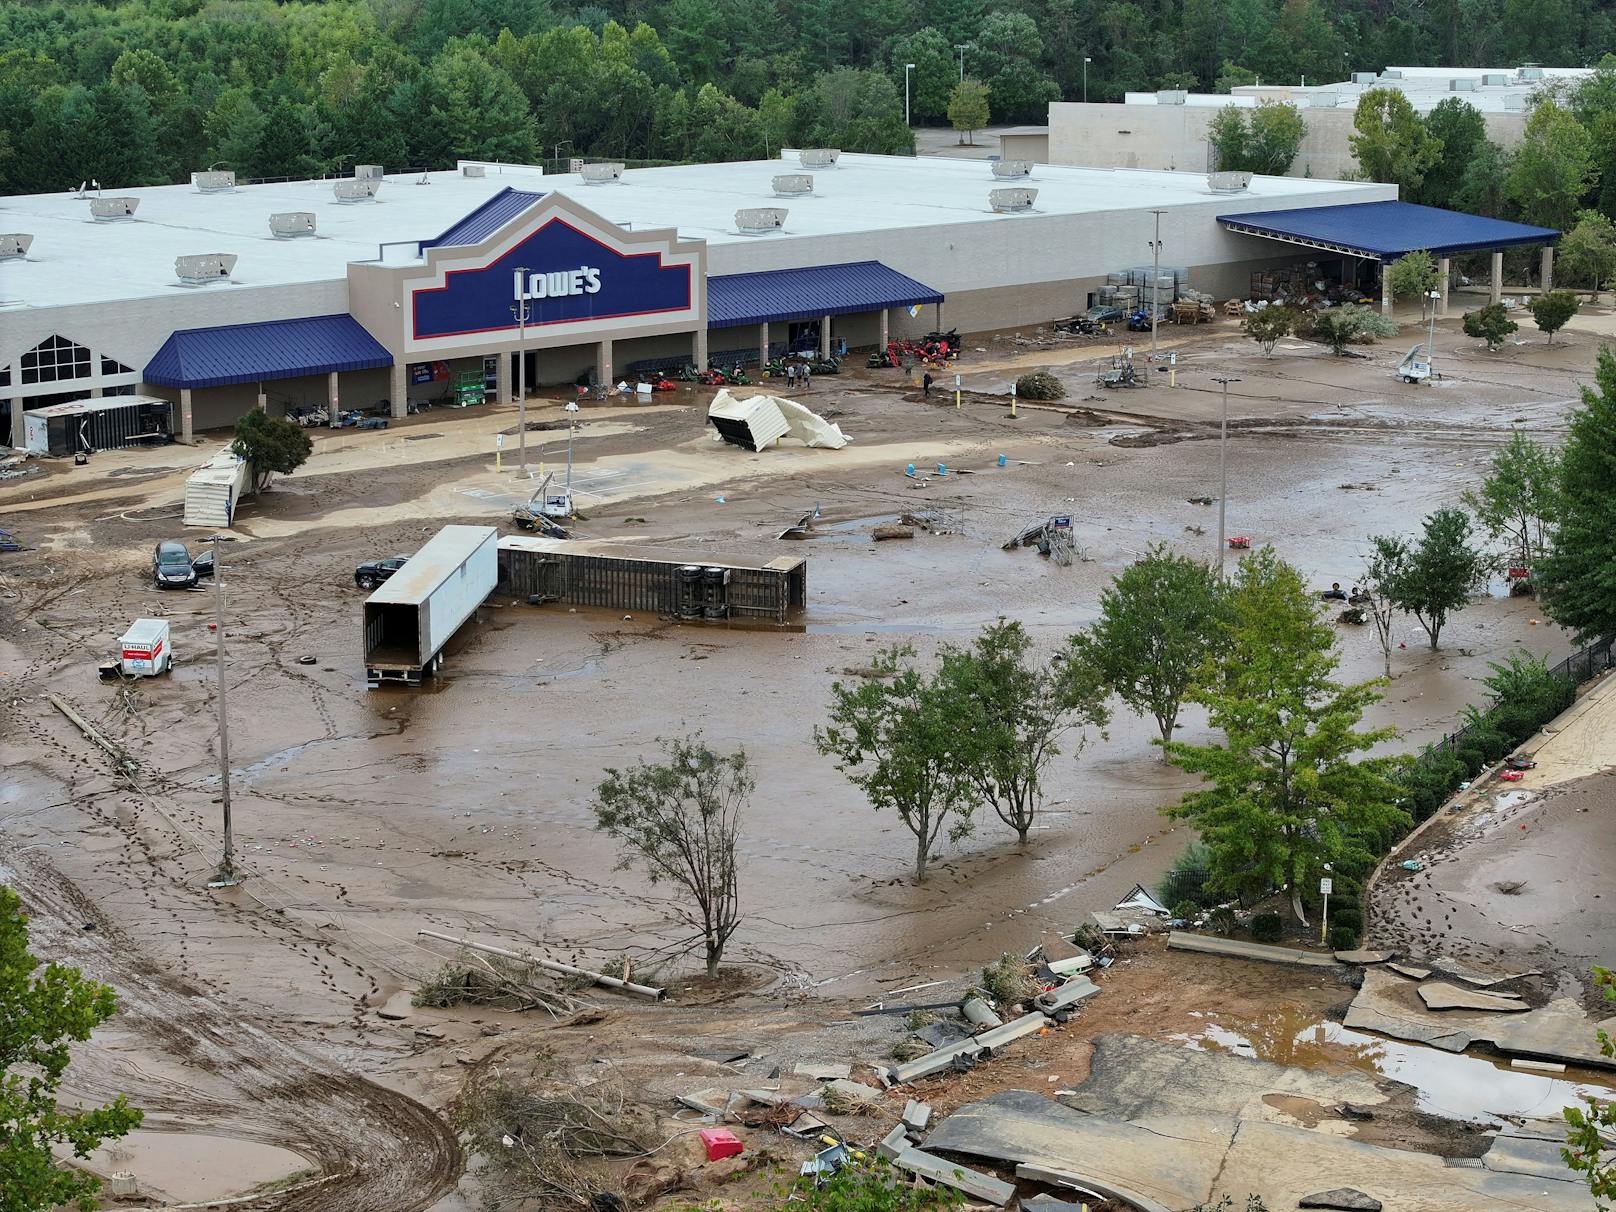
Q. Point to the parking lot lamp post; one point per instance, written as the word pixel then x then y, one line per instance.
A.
pixel 226 876
pixel 1223 467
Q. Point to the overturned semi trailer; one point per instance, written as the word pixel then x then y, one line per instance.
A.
pixel 685 585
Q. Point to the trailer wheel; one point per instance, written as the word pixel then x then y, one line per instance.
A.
pixel 366 582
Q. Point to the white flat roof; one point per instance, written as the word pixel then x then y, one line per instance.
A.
pixel 1424 87
pixel 76 260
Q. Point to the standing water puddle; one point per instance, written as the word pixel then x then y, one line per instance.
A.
pixel 1448 1084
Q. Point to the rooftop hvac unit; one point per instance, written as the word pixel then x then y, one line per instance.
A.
pixel 1228 183
pixel 1494 79
pixel 14 246
pixel 1171 96
pixel 1363 77
pixel 367 172
pixel 819 157
pixel 760 220
pixel 212 182
pixel 1010 169
pixel 1391 73
pixel 1012 201
pixel 1531 71
pixel 473 170
pixel 204 268
pixel 1462 84
pixel 360 189
pixel 602 174
pixel 106 210
pixel 793 185
pixel 288 224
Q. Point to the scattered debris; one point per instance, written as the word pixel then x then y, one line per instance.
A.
pixel 916 1115
pixel 882 533
pixel 1509 887
pixel 1440 995
pixel 1361 956
pixel 972 1182
pixel 844 1097
pixel 1537 1066
pixel 720 1143
pixel 1412 971
pixel 823 1071
pixel 1345 1199
pixel 1211 945
pixel 760 421
pixel 1140 898
pixel 1412 865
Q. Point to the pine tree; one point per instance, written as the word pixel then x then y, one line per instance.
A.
pixel 1577 580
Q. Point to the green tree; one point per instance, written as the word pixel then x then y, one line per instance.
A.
pixel 679 819
pixel 1337 328
pixel 1008 58
pixel 1160 620
pixel 1551 311
pixel 41 1014
pixel 478 109
pixel 271 445
pixel 1267 325
pixel 1437 576
pixel 1413 275
pixel 1519 497
pixel 1284 795
pixel 1552 167
pixel 1577 578
pixel 1482 187
pixel 1390 142
pixel 1011 714
pixel 1491 323
pixel 1228 135
pixel 1383 574
pixel 235 131
pixel 1587 1150
pixel 968 108
pixel 895 735
pixel 1277 131
pixel 932 81
pixel 1461 130
pixel 856 110
pixel 1587 253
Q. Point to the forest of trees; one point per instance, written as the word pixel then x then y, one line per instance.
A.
pixel 145 91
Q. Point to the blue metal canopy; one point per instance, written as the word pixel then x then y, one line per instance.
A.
pixel 488 218
pixel 797 294
pixel 271 349
pixel 1387 230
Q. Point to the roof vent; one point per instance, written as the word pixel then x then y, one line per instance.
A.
pixel 212 182
pixel 1462 84
pixel 1171 96
pixel 1012 201
pixel 1363 77
pixel 1010 169
pixel 106 210
pixel 359 189
pixel 367 172
pixel 1531 71
pixel 602 174
pixel 1228 183
pixel 14 246
pixel 1392 73
pixel 793 185
pixel 288 224
pixel 473 170
pixel 760 220
pixel 819 157
pixel 202 269
pixel 1494 79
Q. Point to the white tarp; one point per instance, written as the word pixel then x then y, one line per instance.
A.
pixel 760 421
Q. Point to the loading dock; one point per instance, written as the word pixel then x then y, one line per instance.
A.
pixel 690 586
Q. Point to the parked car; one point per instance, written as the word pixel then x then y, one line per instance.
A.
pixel 202 565
pixel 373 573
pixel 171 566
pixel 1104 315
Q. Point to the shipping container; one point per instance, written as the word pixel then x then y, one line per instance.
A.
pixel 410 618
pixel 85 426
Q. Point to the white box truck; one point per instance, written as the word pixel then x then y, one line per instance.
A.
pixel 414 613
pixel 145 649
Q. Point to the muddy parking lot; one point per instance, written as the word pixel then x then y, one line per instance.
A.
pixel 362 817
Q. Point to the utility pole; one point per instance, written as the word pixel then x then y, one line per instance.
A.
pixel 1155 283
pixel 226 876
pixel 1223 468
pixel 962 47
pixel 519 310
pixel 907 68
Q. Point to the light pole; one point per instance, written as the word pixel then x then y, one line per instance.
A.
pixel 1086 62
pixel 1430 343
pixel 519 310
pixel 962 47
pixel 557 149
pixel 907 68
pixel 572 424
pixel 226 876
pixel 1155 283
pixel 1223 467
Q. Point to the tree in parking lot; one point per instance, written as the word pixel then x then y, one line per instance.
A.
pixel 1519 496
pixel 968 107
pixel 1413 274
pixel 1588 251
pixel 1551 311
pixel 1268 324
pixel 41 1013
pixel 1491 323
pixel 271 445
pixel 679 819
pixel 1438 571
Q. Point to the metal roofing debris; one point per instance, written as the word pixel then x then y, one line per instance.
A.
pixel 1060 1178
pixel 1387 229
pixel 758 422
pixel 769 295
pixel 1212 945
pixel 485 220
pixel 270 349
pixel 983 1186
pixel 1140 898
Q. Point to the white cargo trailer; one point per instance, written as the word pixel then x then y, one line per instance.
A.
pixel 145 650
pixel 414 613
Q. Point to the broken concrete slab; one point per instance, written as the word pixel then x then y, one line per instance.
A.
pixel 1441 995
pixel 1362 956
pixel 1412 971
pixel 851 1092
pixel 1013 1030
pixel 822 1071
pixel 1048 1203
pixel 1059 947
pixel 933 1062
pixel 893 1143
pixel 916 1115
pixel 1529 1155
pixel 972 1182
pixel 1345 1199
pixel 1086 1186
pixel 1065 996
pixel 806 1126
pixel 942 1033
pixel 1473 976
pixel 1209 944
pixel 979 1014
pixel 711 1101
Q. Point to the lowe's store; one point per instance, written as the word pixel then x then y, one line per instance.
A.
pixel 219 298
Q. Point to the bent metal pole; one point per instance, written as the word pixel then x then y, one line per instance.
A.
pixel 600 978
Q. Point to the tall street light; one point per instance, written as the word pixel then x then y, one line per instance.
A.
pixel 1223 467
pixel 1086 62
pixel 962 47
pixel 519 310
pixel 226 876
pixel 1155 283
pixel 907 68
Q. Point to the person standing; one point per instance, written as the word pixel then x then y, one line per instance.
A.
pixel 925 384
pixel 807 376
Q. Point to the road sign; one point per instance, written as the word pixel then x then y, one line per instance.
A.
pixel 1325 886
pixel 499 441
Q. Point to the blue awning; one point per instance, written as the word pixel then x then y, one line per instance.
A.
pixel 488 218
pixel 1387 230
pixel 272 349
pixel 799 294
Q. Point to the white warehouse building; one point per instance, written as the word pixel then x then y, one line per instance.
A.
pixel 221 297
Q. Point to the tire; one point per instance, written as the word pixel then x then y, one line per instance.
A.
pixel 365 582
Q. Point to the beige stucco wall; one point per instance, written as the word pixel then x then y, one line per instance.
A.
pixel 1025 147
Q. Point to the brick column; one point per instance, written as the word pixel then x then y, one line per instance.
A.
pixel 1496 293
pixel 187 428
pixel 824 339
pixel 399 389
pixel 886 326
pixel 1547 272
pixel 763 345
pixel 502 378
pixel 1385 290
pixel 699 348
pixel 603 363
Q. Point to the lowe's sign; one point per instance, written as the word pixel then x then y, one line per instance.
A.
pixel 563 275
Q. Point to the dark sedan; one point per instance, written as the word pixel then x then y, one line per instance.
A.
pixel 373 573
pixel 171 566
